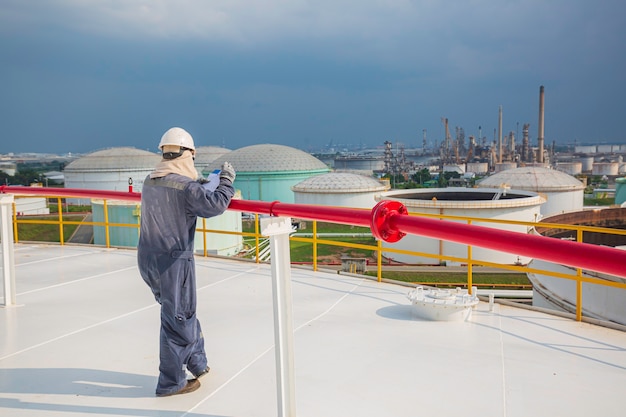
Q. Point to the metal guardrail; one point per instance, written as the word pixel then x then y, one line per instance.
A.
pixel 389 221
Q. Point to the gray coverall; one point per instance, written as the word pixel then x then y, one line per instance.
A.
pixel 169 209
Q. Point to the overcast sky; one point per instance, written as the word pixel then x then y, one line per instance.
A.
pixel 85 75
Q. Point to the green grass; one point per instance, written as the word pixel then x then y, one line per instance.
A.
pixel 47 232
pixel 54 208
pixel 599 201
pixel 482 279
pixel 303 251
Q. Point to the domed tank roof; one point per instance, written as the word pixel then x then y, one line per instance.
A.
pixel 535 179
pixel 122 158
pixel 339 182
pixel 269 158
pixel 207 154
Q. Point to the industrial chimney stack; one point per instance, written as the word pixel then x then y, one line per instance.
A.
pixel 540 135
pixel 500 135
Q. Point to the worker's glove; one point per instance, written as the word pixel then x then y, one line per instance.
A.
pixel 228 172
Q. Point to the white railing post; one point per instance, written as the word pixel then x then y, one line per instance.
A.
pixel 278 230
pixel 8 260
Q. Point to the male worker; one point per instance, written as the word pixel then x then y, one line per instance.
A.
pixel 171 200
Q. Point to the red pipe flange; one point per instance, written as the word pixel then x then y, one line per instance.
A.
pixel 380 224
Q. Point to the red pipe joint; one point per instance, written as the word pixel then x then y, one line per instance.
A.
pixel 381 224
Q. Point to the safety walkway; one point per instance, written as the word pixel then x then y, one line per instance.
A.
pixel 83 341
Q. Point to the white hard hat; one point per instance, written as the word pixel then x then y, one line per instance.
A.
pixel 177 136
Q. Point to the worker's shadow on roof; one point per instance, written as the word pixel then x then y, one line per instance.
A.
pixel 76 381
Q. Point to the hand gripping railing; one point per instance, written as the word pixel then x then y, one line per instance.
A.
pixel 389 221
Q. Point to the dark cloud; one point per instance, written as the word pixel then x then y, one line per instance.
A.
pixel 79 78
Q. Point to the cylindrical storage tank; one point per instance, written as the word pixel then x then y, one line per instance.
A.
pixel 110 169
pixel 125 213
pixel 207 154
pixel 221 244
pixel 605 168
pixel 9 168
pixel 465 202
pixel 585 149
pixel 118 212
pixel 601 302
pixel 478 167
pixel 587 163
pixel 460 169
pixel 267 172
pixel 31 205
pixel 505 166
pixel 570 168
pixel 563 192
pixel 620 191
pixel 339 189
pixel 605 148
pixel 359 163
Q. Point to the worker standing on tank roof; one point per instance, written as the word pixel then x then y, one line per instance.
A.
pixel 172 198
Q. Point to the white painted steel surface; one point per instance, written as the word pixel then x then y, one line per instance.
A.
pixel 563 192
pixel 339 189
pixel 83 341
pixel 278 230
pixel 6 238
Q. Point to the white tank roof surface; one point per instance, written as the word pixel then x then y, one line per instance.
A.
pixel 535 179
pixel 207 154
pixel 339 183
pixel 113 159
pixel 270 158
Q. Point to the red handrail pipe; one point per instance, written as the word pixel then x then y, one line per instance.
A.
pixel 70 192
pixel 389 221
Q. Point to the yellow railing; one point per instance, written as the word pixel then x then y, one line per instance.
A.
pixel 60 222
pixel 315 241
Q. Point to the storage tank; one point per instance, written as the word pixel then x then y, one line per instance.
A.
pixel 31 205
pixel 562 191
pixel 502 204
pixel 129 214
pixel 267 172
pixel 9 168
pixel 359 163
pixel 110 169
pixel 118 212
pixel 605 168
pixel 570 168
pixel 620 191
pixel 339 189
pixel 587 163
pixel 207 154
pixel 458 168
pixel 220 243
pixel 505 166
pixel 478 167
pixel 609 148
pixel 602 302
pixel 585 149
